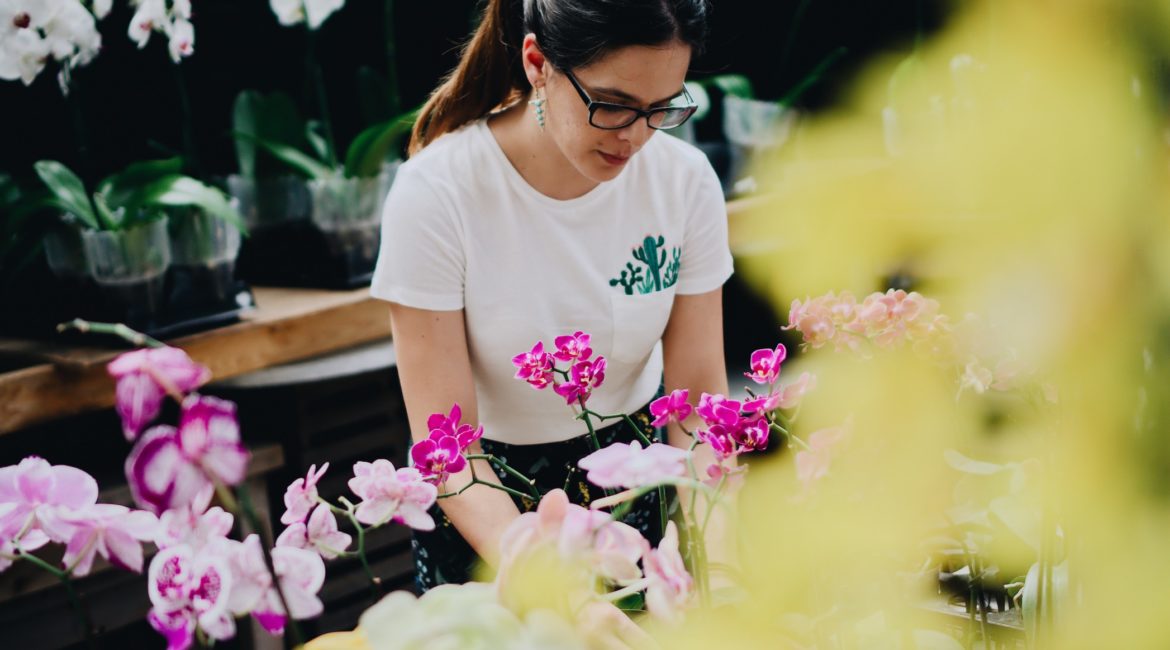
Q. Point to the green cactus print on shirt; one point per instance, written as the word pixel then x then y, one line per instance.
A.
pixel 655 273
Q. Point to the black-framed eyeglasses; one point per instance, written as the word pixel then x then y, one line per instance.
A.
pixel 605 115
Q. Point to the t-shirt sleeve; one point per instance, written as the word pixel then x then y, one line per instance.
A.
pixel 421 261
pixel 706 258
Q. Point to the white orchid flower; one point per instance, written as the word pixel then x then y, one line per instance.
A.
pixel 22 56
pixel 318 11
pixel 315 12
pixel 101 8
pixel 288 12
pixel 72 34
pixel 151 15
pixel 182 39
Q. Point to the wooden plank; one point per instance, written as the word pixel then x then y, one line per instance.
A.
pixel 287 325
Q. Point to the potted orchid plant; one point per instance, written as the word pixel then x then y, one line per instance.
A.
pixel 340 195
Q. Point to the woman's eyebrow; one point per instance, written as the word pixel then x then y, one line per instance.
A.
pixel 621 94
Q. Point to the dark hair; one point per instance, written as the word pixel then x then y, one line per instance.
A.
pixel 571 33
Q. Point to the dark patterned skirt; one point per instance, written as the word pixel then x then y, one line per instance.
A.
pixel 443 556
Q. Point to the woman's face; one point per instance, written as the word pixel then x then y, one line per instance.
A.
pixel 639 76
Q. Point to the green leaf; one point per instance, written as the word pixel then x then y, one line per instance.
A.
pixel 9 190
pixel 106 214
pixel 184 191
pixel 368 150
pixel 69 191
pixel 315 134
pixel 300 162
pixel 120 187
pixel 373 96
pixel 730 84
pixel 273 117
pixel 969 465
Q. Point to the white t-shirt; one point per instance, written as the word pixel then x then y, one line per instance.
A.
pixel 462 229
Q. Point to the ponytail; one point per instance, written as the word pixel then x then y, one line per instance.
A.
pixel 489 74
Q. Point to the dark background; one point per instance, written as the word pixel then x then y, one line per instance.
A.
pixel 129 104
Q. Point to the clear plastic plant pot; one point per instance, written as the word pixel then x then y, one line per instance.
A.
pixel 753 127
pixel 65 252
pixel 203 258
pixel 267 202
pixel 129 266
pixel 348 212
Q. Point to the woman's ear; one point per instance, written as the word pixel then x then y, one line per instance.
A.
pixel 535 65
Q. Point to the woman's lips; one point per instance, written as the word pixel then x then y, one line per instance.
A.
pixel 614 160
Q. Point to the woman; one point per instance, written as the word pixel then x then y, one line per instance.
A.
pixel 538 201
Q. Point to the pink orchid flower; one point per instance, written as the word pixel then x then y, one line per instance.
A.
pixel 584 376
pixel 189 590
pixel 401 495
pixel 791 394
pixel 301 573
pixel 752 433
pixel 631 466
pixel 813 464
pixel 301 496
pixel 115 532
pixel 438 457
pixel 670 587
pixel 448 425
pixel 12 547
pixel 320 534
pixel 145 377
pixel 761 405
pixel 673 406
pixel 169 466
pixel 766 365
pixel 573 347
pixel 535 367
pixel 194 524
pixel 721 439
pixel 718 409
pixel 37 491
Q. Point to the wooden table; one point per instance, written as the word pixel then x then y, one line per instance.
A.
pixel 287 325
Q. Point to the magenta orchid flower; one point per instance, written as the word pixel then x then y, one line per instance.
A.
pixel 766 365
pixel 301 496
pixel 169 466
pixel 573 347
pixel 320 534
pixel 584 376
pixel 535 366
pixel 721 439
pixel 761 405
pixel 115 532
pixel 437 458
pixel 190 590
pixel 448 425
pixel 718 409
pixel 145 377
pixel 673 406
pixel 752 433
pixel 669 587
pixel 34 492
pixel 401 495
pixel 631 466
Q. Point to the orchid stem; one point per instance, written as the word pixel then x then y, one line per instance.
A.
pixel 117 329
pixel 509 470
pixel 375 582
pixel 75 602
pixel 589 423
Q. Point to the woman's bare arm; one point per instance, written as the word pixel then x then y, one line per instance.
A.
pixel 435 370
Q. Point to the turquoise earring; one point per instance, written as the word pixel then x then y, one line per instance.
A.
pixel 538 103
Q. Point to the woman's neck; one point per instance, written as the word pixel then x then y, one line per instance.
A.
pixel 534 154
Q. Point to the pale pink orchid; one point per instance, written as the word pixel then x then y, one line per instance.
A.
pixel 190 590
pixel 401 495
pixel 301 573
pixel 813 464
pixel 301 496
pixel 438 457
pixel 814 319
pixel 790 395
pixel 721 439
pixel 761 405
pixel 631 466
pixel 673 406
pixel 11 548
pixel 669 587
pixel 37 491
pixel 320 534
pixel 194 524
pixel 573 347
pixel 588 537
pixel 169 466
pixel 718 409
pixel 145 377
pixel 766 365
pixel 584 376
pixel 535 366
pixel 112 531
